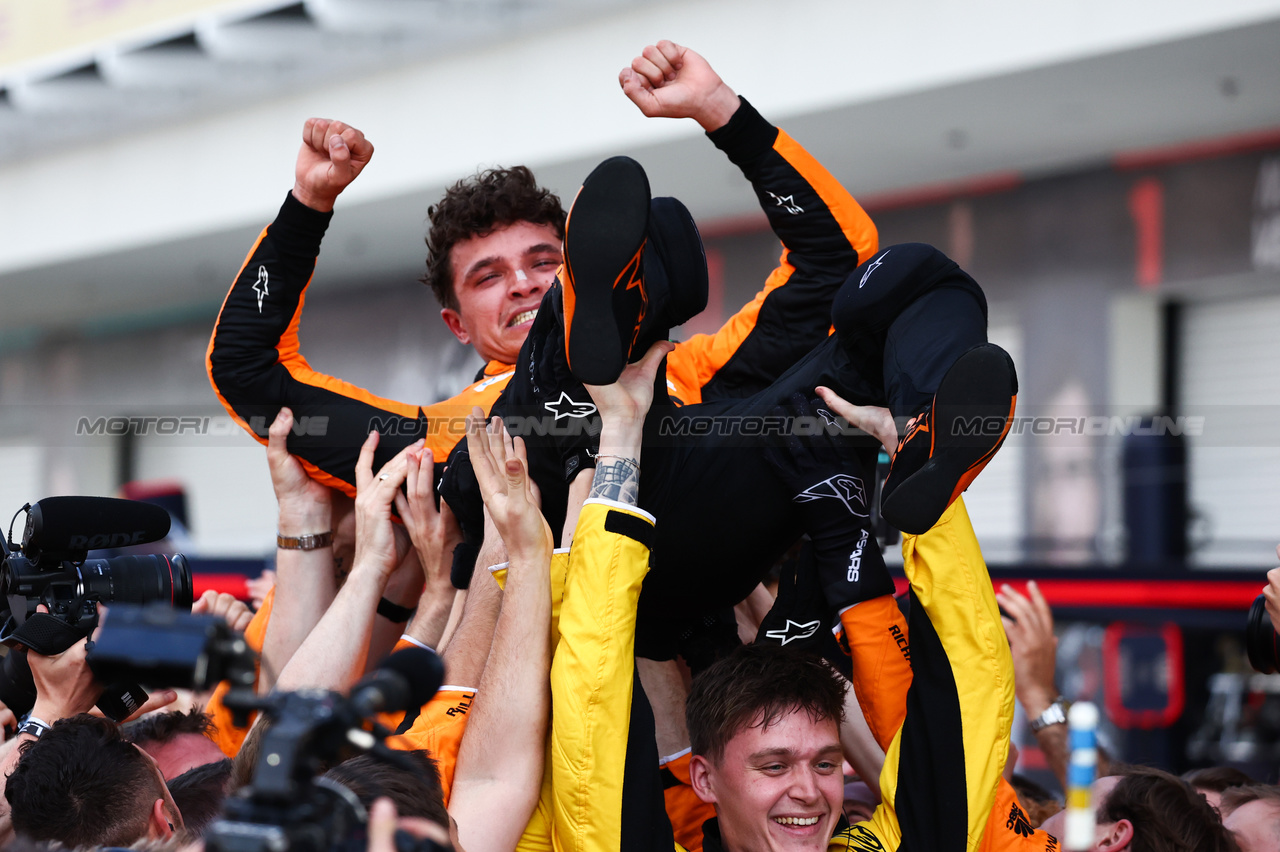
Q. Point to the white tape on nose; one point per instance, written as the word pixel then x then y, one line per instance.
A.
pixel 520 276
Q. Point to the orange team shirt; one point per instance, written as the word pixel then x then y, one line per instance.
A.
pixel 228 737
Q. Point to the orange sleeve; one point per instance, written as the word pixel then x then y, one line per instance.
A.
pixel 438 729
pixel 685 810
pixel 228 737
pixel 1009 829
pixel 876 635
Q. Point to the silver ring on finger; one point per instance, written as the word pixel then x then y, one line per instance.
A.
pixel 383 477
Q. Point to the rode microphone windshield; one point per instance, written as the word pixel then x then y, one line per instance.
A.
pixel 77 524
pixel 406 680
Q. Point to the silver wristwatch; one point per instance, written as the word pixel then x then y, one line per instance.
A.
pixel 1054 714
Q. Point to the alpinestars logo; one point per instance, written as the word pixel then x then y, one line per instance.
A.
pixel 566 407
pixel 855 559
pixel 843 487
pixel 260 286
pixel 875 264
pixel 787 203
pixel 794 631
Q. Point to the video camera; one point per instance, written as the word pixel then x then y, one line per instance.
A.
pixel 52 567
pixel 1260 639
pixel 288 807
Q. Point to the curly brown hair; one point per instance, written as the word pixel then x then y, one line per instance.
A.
pixel 476 207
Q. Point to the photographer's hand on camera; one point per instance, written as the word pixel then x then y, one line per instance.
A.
pixel 383 824
pixel 64 684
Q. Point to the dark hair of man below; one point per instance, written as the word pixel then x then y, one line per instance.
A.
pixel 162 727
pixel 199 794
pixel 1216 778
pixel 417 793
pixel 756 686
pixel 82 784
pixel 1167 813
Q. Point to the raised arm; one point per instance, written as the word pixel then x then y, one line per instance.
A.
pixel 333 654
pixel 434 533
pixel 592 674
pixel 254 360
pixel 304 556
pixel 824 232
pixel 502 752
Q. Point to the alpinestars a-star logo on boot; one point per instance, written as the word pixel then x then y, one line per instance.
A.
pixel 843 487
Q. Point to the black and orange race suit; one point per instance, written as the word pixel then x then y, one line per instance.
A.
pixel 900 320
pixel 256 365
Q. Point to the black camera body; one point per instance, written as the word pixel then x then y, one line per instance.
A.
pixel 288 807
pixel 1260 639
pixel 51 567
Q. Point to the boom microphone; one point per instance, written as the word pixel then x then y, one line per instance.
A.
pixel 73 525
pixel 406 680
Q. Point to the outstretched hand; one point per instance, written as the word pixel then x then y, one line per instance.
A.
pixel 502 469
pixel 378 546
pixel 433 531
pixel 670 81
pixel 304 503
pixel 1029 626
pixel 332 155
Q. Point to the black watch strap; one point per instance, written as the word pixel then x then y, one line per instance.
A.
pixel 394 612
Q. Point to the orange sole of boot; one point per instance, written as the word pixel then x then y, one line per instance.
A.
pixel 604 241
pixel 972 413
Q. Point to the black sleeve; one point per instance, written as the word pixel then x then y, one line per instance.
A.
pixel 255 365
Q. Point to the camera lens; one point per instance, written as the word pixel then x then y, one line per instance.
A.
pixel 139 579
pixel 1260 638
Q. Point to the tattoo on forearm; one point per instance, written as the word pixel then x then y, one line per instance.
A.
pixel 617 480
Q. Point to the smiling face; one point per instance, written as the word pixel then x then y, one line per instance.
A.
pixel 777 787
pixel 498 281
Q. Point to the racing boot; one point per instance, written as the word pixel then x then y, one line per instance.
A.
pixel 634 268
pixel 948 444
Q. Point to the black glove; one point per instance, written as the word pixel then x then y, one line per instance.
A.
pixel 818 463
